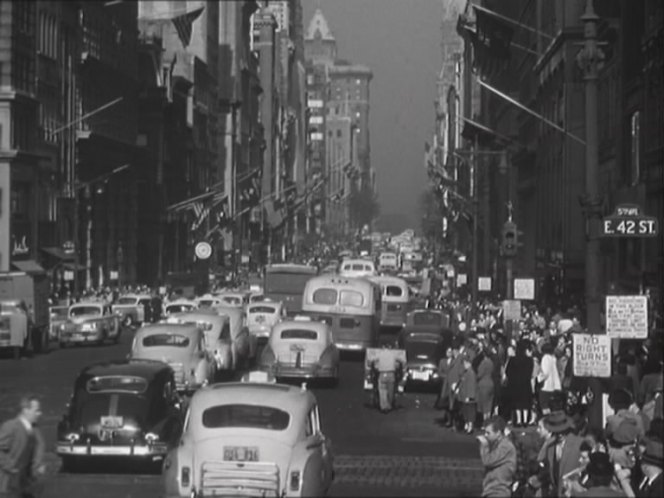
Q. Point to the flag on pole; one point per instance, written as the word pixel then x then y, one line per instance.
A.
pixel 184 25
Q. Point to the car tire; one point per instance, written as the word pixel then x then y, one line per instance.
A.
pixel 70 465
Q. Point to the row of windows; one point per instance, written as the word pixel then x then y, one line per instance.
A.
pixel 47 41
pixel 23 72
pixel 24 16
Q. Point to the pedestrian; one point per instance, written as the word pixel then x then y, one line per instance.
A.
pixel 620 400
pixel 485 386
pixel 467 392
pixel 453 376
pixel 548 377
pixel 599 472
pixel 518 388
pixel 498 456
pixel 22 452
pixel 561 452
pixel 651 465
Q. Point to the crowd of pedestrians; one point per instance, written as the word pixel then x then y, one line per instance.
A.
pixel 516 382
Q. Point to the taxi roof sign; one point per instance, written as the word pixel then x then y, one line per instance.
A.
pixel 302 318
pixel 259 376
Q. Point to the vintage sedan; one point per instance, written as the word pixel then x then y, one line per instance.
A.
pixel 301 348
pixel 250 439
pixel 179 306
pixel 233 298
pixel 262 316
pixel 208 301
pixel 243 344
pixel 182 346
pixel 90 322
pixel 57 316
pixel 217 330
pixel 426 340
pixel 125 410
pixel 133 308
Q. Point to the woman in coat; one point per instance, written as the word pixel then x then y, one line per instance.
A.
pixel 485 386
pixel 549 378
pixel 468 395
pixel 443 400
pixel 519 389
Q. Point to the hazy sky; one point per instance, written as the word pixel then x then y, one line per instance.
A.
pixel 400 41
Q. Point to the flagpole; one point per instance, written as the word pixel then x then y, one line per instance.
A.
pixel 512 21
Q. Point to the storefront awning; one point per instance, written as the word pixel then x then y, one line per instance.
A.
pixel 59 253
pixel 28 266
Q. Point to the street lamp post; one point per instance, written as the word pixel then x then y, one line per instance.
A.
pixel 590 59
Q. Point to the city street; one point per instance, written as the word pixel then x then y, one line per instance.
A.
pixel 405 453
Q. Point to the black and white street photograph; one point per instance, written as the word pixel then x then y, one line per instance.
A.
pixel 331 248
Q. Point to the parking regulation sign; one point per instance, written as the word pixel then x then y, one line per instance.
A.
pixel 203 250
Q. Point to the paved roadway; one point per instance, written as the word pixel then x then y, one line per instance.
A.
pixel 405 453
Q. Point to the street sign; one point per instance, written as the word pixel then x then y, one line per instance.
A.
pixel 512 309
pixel 627 317
pixel 484 284
pixel 462 279
pixel 203 250
pixel 628 221
pixel 592 355
pixel 113 275
pixel 68 275
pixel 524 288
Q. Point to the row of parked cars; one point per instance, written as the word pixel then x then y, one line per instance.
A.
pixel 229 439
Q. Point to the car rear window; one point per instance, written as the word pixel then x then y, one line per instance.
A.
pixel 359 267
pixel 175 340
pixel 179 308
pixel 393 291
pixel 427 319
pixel 115 383
pixel 246 416
pixel 205 303
pixel 310 335
pixel 325 296
pixel 85 310
pixel 126 300
pixel 262 309
pixel 231 300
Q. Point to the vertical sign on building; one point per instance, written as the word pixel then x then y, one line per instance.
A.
pixel 5 215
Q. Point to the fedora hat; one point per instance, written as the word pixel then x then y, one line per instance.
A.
pixel 599 465
pixel 653 453
pixel 557 422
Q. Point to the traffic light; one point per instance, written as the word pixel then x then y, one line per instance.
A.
pixel 509 243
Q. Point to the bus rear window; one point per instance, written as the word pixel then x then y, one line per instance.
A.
pixel 351 298
pixel 325 296
pixel 393 291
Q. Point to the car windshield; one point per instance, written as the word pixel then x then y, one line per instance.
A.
pixel 115 383
pixel 246 416
pixel 175 340
pixel 310 335
pixel 434 319
pixel 262 309
pixel 91 407
pixel 127 300
pixel 205 303
pixel 85 310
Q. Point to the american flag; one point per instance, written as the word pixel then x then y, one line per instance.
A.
pixel 184 25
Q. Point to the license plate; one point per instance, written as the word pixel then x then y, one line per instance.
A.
pixel 297 348
pixel 111 422
pixel 109 450
pixel 421 375
pixel 241 453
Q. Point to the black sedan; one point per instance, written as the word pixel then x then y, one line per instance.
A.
pixel 425 339
pixel 122 410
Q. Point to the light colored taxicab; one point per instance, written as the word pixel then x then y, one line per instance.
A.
pixel 357 268
pixel 182 346
pixel 233 298
pixel 90 322
pixel 301 348
pixel 57 316
pixel 262 316
pixel 131 308
pixel 179 306
pixel 217 329
pixel 242 344
pixel 255 438
pixel 208 301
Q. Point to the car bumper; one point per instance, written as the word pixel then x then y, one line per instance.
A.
pixel 81 337
pixel 350 346
pixel 154 452
pixel 305 372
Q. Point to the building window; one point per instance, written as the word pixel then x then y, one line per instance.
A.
pixel 634 146
pixel 358 82
pixel 338 133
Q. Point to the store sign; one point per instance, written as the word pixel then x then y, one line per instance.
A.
pixel 628 221
pixel 113 275
pixel 462 279
pixel 68 276
pixel 627 317
pixel 484 284
pixel 524 288
pixel 591 355
pixel 512 309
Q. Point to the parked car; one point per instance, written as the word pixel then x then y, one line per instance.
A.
pixel 301 349
pixel 217 330
pixel 250 439
pixel 179 306
pixel 262 316
pixel 57 317
pixel 90 322
pixel 134 309
pixel 243 344
pixel 425 340
pixel 180 345
pixel 126 410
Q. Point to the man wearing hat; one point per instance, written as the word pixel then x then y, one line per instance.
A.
pixel 599 472
pixel 560 453
pixel 651 465
pixel 622 403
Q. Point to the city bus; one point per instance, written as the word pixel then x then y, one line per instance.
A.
pixel 350 306
pixel 285 283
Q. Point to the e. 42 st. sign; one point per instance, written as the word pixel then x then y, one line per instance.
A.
pixel 627 221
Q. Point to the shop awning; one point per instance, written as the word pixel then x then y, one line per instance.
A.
pixel 28 266
pixel 59 253
pixel 73 267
